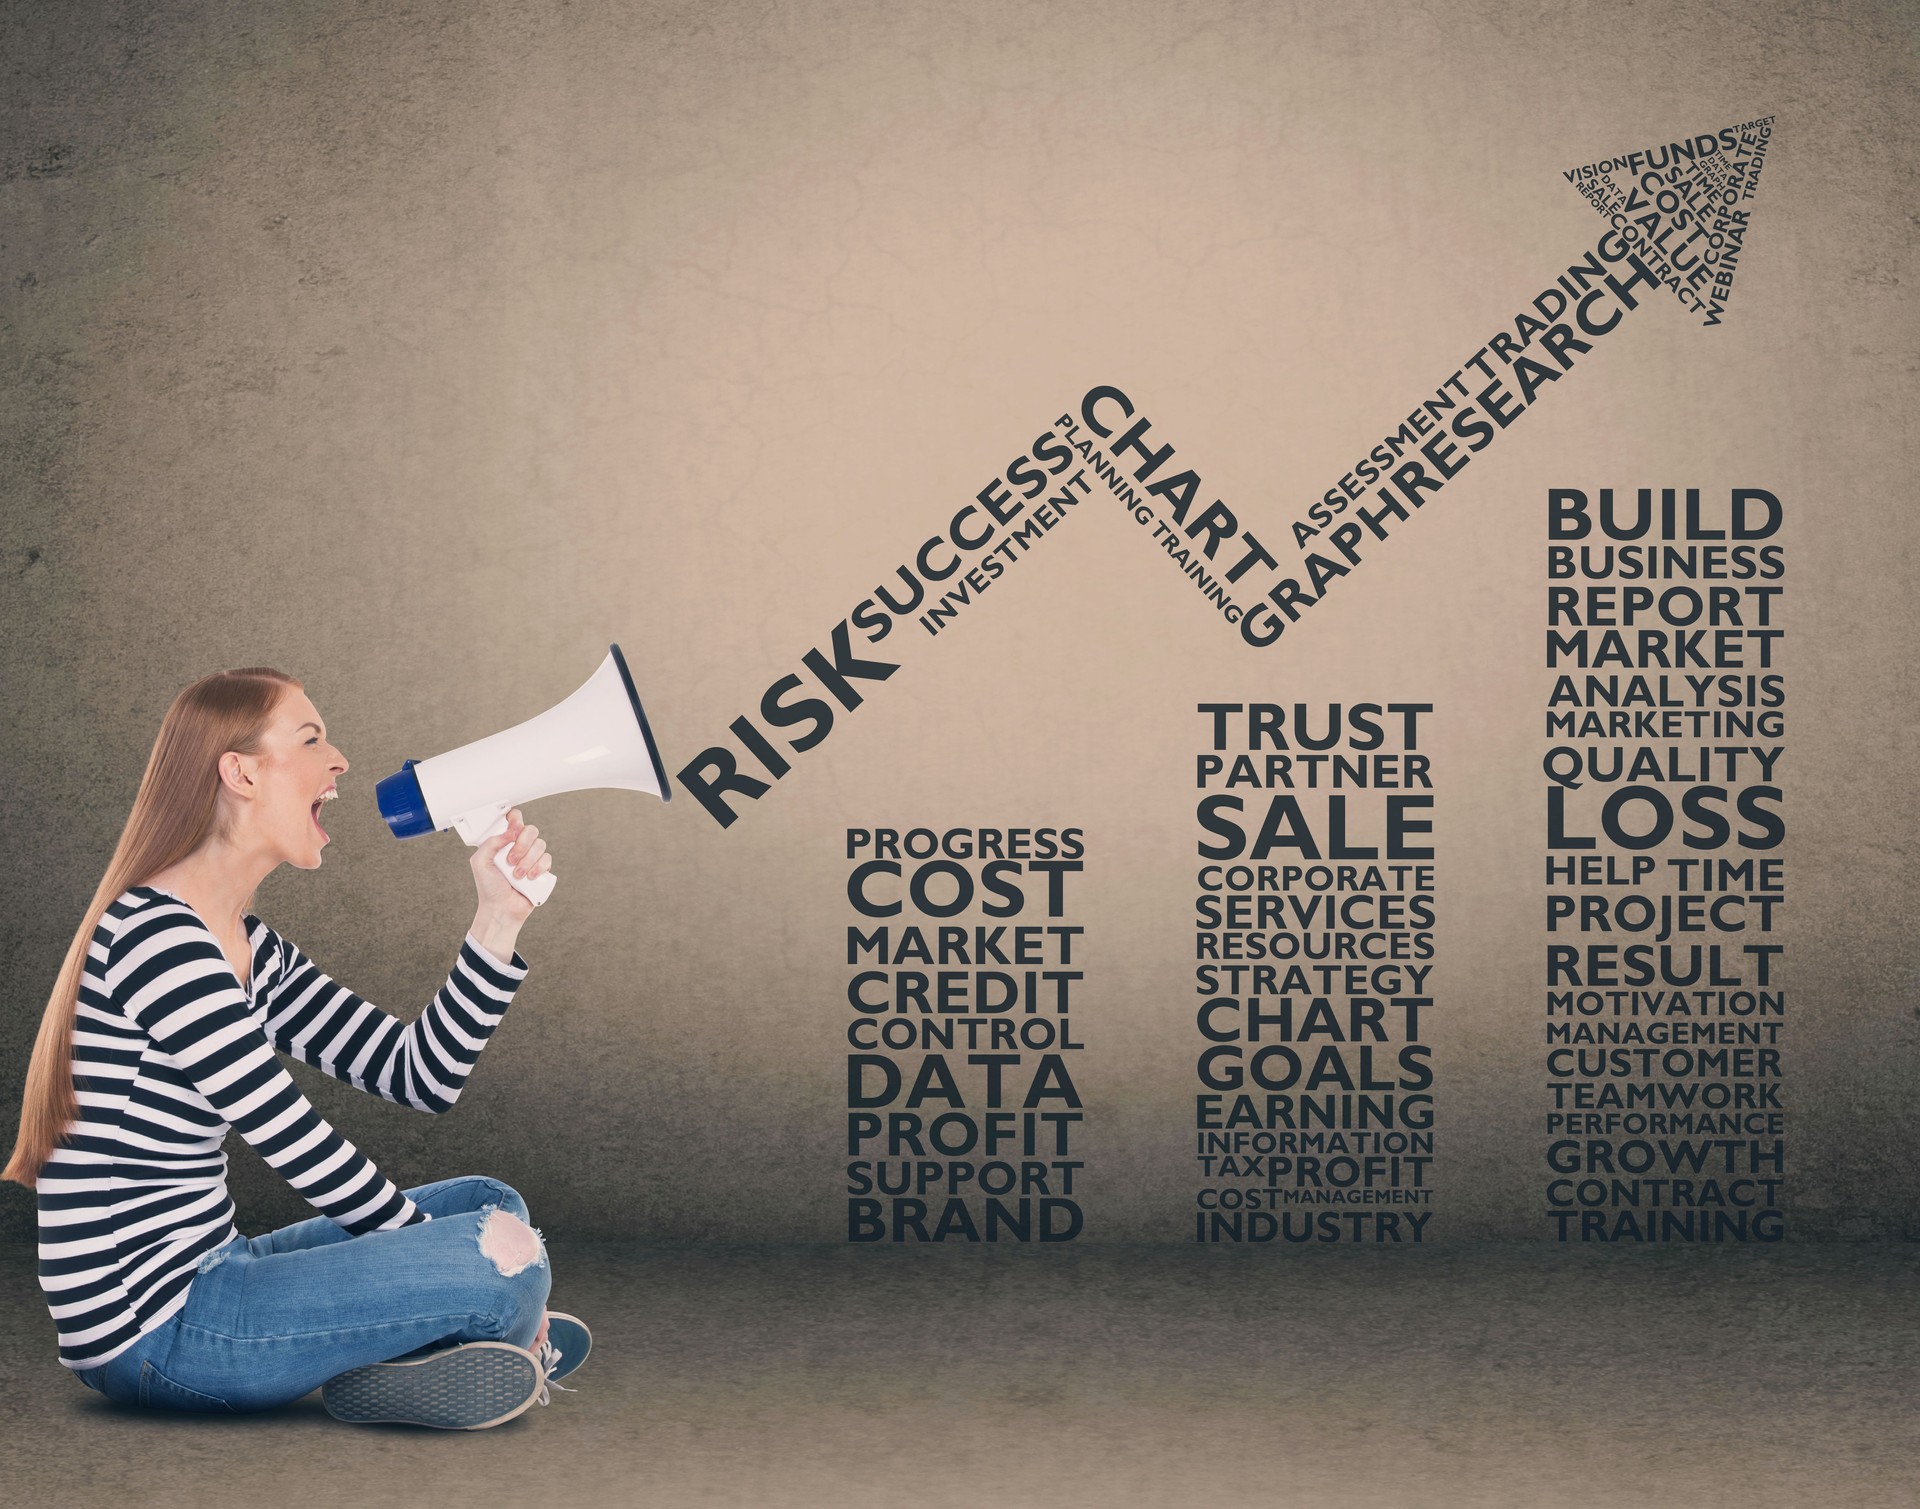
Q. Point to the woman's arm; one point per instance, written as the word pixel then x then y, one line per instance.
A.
pixel 423 1064
pixel 170 976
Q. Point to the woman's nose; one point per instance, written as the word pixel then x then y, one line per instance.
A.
pixel 339 763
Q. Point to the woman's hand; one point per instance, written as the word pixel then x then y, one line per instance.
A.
pixel 502 909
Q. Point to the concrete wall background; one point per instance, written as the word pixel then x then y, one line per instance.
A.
pixel 422 352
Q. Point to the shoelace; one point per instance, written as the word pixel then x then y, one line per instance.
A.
pixel 549 1360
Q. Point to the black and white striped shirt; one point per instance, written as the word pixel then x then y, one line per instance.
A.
pixel 169 1051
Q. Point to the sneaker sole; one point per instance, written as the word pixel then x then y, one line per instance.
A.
pixel 470 1387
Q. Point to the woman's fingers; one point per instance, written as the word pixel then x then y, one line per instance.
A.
pixel 508 836
pixel 528 849
pixel 521 842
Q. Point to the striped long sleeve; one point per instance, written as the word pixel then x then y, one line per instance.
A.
pixel 423 1064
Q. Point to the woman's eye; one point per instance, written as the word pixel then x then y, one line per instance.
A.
pixel 314 740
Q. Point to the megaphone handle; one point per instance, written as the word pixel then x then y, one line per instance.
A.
pixel 536 888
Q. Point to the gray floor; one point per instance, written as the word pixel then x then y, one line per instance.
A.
pixel 1487 1376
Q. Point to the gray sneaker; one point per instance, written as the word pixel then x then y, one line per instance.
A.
pixel 468 1387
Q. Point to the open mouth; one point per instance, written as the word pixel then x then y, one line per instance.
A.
pixel 318 802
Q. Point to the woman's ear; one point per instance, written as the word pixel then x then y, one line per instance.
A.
pixel 236 775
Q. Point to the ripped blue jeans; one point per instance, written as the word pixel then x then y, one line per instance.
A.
pixel 270 1318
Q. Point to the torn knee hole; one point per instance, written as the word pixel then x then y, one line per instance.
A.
pixel 509 1242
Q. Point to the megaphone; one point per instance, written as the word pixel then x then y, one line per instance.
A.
pixel 597 737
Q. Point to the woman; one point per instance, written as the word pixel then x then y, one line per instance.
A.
pixel 425 1305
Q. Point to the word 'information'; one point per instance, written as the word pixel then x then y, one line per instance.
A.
pixel 1313 942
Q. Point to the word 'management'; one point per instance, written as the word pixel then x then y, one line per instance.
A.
pixel 1665 998
pixel 1314 912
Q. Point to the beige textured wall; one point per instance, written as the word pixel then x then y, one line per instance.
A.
pixel 422 352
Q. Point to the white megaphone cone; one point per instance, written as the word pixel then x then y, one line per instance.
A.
pixel 597 737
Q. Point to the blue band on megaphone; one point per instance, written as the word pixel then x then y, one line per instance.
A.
pixel 403 805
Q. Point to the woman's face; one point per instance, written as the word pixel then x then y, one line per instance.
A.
pixel 292 775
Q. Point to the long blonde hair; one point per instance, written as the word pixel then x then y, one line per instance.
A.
pixel 174 812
